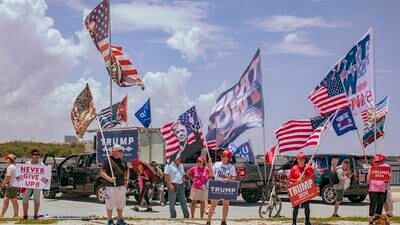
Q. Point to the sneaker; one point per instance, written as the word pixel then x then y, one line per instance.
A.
pixel 223 222
pixel 121 222
pixel 110 222
pixel 148 209
pixel 336 215
pixel 35 217
pixel 136 209
pixel 25 217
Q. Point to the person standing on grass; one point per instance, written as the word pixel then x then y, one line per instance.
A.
pixel 377 191
pixel 199 192
pixel 294 177
pixel 116 185
pixel 174 174
pixel 344 175
pixel 223 171
pixel 35 160
pixel 10 191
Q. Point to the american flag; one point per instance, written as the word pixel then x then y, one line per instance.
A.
pixel 382 109
pixel 369 134
pixel 123 72
pixel 192 123
pixel 297 134
pixel 97 23
pixel 329 95
pixel 211 139
pixel 111 116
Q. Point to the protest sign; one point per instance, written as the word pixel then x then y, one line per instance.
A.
pixel 33 176
pixel 381 173
pixel 302 191
pixel 223 190
pixel 128 139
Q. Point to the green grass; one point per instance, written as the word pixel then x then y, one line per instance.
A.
pixel 23 148
pixel 282 219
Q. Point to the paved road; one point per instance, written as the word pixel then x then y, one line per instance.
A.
pixel 87 206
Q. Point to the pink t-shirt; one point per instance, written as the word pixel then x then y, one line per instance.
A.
pixel 377 185
pixel 200 176
pixel 147 173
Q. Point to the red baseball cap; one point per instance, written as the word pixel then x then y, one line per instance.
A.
pixel 378 158
pixel 201 159
pixel 300 155
pixel 227 153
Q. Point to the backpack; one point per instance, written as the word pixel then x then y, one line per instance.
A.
pixel 333 177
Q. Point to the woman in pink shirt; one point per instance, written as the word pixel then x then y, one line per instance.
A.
pixel 200 175
pixel 377 191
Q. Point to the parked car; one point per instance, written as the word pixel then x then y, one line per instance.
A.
pixel 358 190
pixel 79 175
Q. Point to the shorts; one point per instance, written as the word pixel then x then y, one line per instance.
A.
pixel 27 195
pixel 11 192
pixel 115 197
pixel 339 195
pixel 198 195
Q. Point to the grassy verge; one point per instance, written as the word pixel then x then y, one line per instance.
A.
pixel 282 219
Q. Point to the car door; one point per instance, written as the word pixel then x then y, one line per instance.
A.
pixel 50 160
pixel 80 174
pixel 65 171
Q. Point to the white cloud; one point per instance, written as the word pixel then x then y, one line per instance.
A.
pixel 185 22
pixel 287 23
pixel 295 43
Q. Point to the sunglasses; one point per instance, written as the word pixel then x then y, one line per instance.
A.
pixel 36 154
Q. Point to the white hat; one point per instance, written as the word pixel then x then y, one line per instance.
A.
pixel 117 147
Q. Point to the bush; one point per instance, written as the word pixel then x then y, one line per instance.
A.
pixel 23 148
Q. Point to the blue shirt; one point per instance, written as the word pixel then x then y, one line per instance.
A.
pixel 175 173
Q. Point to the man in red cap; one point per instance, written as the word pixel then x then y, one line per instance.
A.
pixel 223 171
pixel 295 176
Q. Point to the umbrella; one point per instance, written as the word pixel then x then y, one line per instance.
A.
pixel 135 163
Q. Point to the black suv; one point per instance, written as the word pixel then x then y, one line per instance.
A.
pixel 358 189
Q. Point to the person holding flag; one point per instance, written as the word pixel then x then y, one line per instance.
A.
pixel 295 176
pixel 116 173
pixel 223 171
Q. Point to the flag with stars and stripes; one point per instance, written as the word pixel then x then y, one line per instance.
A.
pixel 370 131
pixel 111 116
pixel 329 95
pixel 297 134
pixel 211 139
pixel 382 109
pixel 97 23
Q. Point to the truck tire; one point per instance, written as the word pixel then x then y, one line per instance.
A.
pixel 328 194
pixel 251 196
pixel 101 193
pixel 357 198
pixel 49 194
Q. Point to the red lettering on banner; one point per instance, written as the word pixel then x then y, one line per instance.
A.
pixel 381 173
pixel 302 191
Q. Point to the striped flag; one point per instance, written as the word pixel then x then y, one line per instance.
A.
pixel 369 134
pixel 123 72
pixel 97 23
pixel 171 141
pixel 297 134
pixel 329 95
pixel 382 109
pixel 211 139
pixel 111 116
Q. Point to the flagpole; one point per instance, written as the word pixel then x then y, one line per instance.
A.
pixel 272 163
pixel 255 159
pixel 263 127
pixel 384 125
pixel 362 146
pixel 151 132
pixel 109 53
pixel 104 143
pixel 374 94
pixel 327 124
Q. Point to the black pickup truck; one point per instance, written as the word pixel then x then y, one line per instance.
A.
pixel 78 174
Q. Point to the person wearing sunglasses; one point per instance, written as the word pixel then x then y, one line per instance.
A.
pixel 35 160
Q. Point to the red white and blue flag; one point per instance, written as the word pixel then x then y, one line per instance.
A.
pixel 97 23
pixel 297 134
pixel 211 139
pixel 382 108
pixel 329 95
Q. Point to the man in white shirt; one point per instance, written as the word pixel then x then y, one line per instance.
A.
pixel 174 173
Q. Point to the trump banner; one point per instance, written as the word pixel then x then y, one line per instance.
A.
pixel 33 176
pixel 381 173
pixel 218 190
pixel 128 139
pixel 357 73
pixel 343 122
pixel 303 191
pixel 240 107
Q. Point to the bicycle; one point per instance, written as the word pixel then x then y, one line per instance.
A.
pixel 271 204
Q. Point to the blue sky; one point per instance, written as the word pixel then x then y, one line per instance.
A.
pixel 187 53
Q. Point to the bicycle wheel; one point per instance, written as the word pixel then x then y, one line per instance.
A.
pixel 262 209
pixel 275 207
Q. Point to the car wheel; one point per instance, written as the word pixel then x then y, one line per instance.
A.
pixel 328 194
pixel 49 194
pixel 357 198
pixel 101 193
pixel 251 196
